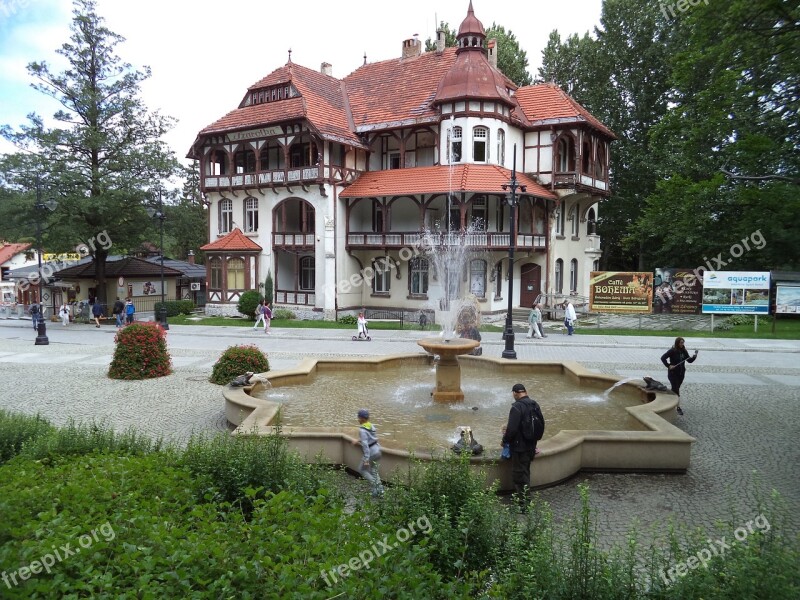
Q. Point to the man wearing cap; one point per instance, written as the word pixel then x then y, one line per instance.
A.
pixel 370 462
pixel 522 450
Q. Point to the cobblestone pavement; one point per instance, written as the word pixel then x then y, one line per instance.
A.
pixel 741 398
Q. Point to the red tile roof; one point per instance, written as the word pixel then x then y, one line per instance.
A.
pixel 9 251
pixel 440 179
pixel 398 90
pixel 322 102
pixel 546 103
pixel 233 242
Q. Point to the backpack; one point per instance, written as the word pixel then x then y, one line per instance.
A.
pixel 34 309
pixel 532 424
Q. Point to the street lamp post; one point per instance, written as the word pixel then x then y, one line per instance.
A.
pixel 511 199
pixel 158 213
pixel 41 207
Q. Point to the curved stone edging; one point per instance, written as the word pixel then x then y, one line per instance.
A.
pixel 663 448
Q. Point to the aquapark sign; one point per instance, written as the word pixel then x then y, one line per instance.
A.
pixel 622 292
pixel 742 292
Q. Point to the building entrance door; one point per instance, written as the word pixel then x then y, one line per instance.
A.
pixel 531 282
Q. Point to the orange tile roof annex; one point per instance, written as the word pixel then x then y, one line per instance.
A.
pixel 548 102
pixel 9 251
pixel 233 242
pixel 440 179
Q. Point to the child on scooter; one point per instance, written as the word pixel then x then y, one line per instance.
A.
pixel 362 326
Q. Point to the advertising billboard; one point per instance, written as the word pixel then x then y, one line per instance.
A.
pixel 622 292
pixel 787 299
pixel 677 292
pixel 742 292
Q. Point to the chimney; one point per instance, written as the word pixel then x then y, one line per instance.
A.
pixel 325 69
pixel 190 257
pixel 492 52
pixel 412 47
pixel 440 40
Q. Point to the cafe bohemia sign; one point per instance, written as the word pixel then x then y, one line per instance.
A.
pixel 621 292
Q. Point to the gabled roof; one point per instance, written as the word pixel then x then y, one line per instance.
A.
pixel 9 251
pixel 400 90
pixel 125 267
pixel 440 179
pixel 547 104
pixel 235 241
pixel 322 102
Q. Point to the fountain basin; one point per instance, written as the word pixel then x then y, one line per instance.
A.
pixel 658 446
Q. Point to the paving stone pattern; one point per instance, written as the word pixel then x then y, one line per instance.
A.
pixel 741 397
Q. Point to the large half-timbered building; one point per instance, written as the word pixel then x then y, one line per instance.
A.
pixel 331 184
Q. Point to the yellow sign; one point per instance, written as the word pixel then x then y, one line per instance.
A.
pixel 46 256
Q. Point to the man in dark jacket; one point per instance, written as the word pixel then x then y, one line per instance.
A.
pixel 522 450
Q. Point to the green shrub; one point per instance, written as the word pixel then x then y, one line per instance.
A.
pixel 283 313
pixel 176 307
pixel 77 439
pixel 269 288
pixel 238 360
pixel 248 302
pixel 140 353
pixel 347 320
pixel 16 430
pixel 232 465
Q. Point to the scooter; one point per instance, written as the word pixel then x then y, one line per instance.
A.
pixel 358 338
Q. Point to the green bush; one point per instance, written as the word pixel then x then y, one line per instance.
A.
pixel 347 320
pixel 248 302
pixel 269 288
pixel 176 307
pixel 283 313
pixel 238 360
pixel 16 430
pixel 140 353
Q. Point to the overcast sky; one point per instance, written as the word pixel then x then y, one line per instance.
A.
pixel 204 55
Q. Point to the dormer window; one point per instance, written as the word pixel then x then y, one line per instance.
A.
pixel 270 94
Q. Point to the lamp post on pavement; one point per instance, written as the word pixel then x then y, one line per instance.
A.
pixel 158 213
pixel 41 207
pixel 511 199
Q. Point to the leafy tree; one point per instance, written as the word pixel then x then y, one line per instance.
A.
pixel 269 288
pixel 104 152
pixel 187 217
pixel 512 61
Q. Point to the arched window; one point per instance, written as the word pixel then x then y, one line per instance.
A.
pixel 215 269
pixel 477 278
pixel 217 162
pixel 559 219
pixel 501 147
pixel 573 276
pixel 455 144
pixel 559 276
pixel 565 160
pixel 480 144
pixel 307 273
pixel 591 222
pixel 244 161
pixel 596 265
pixel 225 215
pixel 382 278
pixel 418 274
pixel 251 215
pixel 235 274
pixel 574 222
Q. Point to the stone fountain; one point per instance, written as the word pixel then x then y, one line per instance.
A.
pixel 448 371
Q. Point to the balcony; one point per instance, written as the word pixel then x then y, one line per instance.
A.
pixel 292 240
pixel 263 178
pixel 476 240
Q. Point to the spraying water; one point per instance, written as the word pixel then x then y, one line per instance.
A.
pixel 619 383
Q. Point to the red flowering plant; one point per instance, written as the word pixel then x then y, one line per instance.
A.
pixel 238 360
pixel 140 353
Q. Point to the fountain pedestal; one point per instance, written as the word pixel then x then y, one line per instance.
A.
pixel 448 371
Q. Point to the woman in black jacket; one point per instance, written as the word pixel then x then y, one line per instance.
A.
pixel 675 360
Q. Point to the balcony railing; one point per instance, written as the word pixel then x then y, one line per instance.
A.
pixel 293 240
pixel 281 176
pixel 294 297
pixel 478 240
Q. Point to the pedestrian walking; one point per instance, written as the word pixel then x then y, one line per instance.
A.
pixel 118 310
pixel 63 312
pixel 36 312
pixel 569 318
pixel 540 321
pixel 533 320
pixel 130 310
pixel 521 438
pixel 267 312
pixel 675 360
pixel 259 314
pixel 97 312
pixel 371 453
